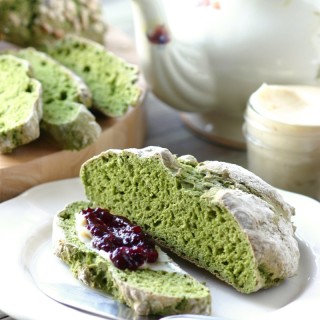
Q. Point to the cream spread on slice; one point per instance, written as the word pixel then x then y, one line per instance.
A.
pixel 163 263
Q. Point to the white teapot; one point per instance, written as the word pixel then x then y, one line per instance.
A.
pixel 206 57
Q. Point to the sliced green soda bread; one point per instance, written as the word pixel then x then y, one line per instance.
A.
pixel 65 101
pixel 112 81
pixel 20 104
pixel 165 289
pixel 219 216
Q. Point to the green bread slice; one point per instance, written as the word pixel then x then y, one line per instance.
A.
pixel 65 98
pixel 59 82
pixel 20 104
pixel 70 124
pixel 219 216
pixel 146 291
pixel 112 81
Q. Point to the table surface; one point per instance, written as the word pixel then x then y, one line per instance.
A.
pixel 164 124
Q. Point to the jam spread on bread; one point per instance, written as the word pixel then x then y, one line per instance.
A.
pixel 128 246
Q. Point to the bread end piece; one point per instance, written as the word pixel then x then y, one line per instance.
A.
pixel 146 291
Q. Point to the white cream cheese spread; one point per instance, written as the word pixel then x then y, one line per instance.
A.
pixel 164 262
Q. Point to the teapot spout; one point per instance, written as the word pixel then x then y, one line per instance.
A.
pixel 175 67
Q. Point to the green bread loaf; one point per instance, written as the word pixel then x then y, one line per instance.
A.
pixel 65 101
pixel 147 291
pixel 217 215
pixel 54 19
pixel 112 81
pixel 15 17
pixel 20 104
pixel 40 22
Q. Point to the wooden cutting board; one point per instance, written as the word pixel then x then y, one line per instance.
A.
pixel 42 160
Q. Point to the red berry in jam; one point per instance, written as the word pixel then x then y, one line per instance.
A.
pixel 129 247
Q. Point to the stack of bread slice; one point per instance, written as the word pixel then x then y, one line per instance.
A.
pixel 73 75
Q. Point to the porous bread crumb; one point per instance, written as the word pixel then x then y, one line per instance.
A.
pixel 20 104
pixel 217 215
pixel 112 81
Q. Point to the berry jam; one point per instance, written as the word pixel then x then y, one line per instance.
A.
pixel 128 246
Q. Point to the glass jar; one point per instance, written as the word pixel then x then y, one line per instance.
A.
pixel 282 130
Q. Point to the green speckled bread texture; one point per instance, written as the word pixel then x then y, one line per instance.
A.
pixel 219 216
pixel 60 82
pixel 20 104
pixel 65 100
pixel 112 81
pixel 146 291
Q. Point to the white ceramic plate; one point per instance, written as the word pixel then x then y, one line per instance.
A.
pixel 25 232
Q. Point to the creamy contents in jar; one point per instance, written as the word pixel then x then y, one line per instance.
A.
pixel 295 105
pixel 282 129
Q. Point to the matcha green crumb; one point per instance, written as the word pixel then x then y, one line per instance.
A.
pixel 20 107
pixel 166 283
pixel 112 81
pixel 116 189
pixel 65 98
pixel 196 212
pixel 58 82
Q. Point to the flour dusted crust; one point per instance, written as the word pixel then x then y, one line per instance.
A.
pixel 146 302
pixel 263 215
pixel 55 19
pixel 25 132
pixel 143 302
pixel 270 235
pixel 257 186
pixel 261 212
pixel 167 158
pixel 41 22
pixel 77 132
